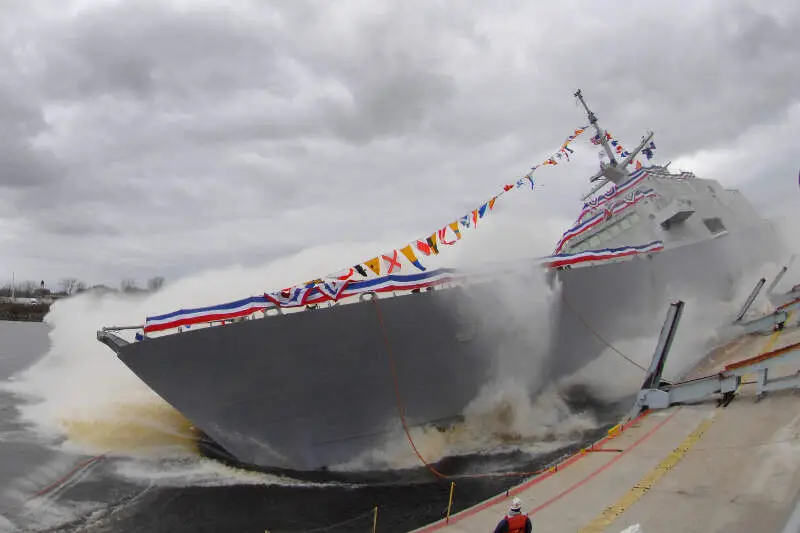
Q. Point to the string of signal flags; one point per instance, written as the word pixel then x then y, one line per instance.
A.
pixel 452 232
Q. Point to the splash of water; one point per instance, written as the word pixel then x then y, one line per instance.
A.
pixel 81 396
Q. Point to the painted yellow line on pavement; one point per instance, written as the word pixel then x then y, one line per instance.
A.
pixel 614 511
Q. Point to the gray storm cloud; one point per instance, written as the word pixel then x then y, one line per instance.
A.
pixel 145 138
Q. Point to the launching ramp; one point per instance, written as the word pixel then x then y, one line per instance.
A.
pixel 680 461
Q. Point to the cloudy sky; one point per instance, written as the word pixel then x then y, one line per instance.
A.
pixel 166 137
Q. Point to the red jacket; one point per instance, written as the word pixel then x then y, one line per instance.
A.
pixel 518 523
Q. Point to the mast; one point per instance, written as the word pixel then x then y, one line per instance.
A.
pixel 13 283
pixel 613 171
pixel 601 134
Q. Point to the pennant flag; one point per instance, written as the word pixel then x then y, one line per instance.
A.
pixel 482 209
pixel 507 188
pixel 638 164
pixel 475 218
pixel 491 203
pixel 360 270
pixel 392 262
pixel 443 237
pixel 465 221
pixel 412 258
pixel 424 247
pixel 374 264
pixel 432 243
pixel 454 227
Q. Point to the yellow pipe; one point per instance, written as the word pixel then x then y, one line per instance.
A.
pixel 450 503
pixel 375 520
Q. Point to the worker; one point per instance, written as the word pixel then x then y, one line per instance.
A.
pixel 515 521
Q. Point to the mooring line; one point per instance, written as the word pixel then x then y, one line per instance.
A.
pixel 403 421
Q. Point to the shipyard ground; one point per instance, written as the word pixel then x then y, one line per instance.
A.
pixel 691 468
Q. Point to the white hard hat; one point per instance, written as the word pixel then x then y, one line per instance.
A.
pixel 516 505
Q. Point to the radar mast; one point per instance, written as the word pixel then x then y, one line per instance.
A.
pixel 614 171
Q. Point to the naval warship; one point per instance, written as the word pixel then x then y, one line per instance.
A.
pixel 315 377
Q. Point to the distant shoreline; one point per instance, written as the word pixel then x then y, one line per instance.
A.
pixel 23 312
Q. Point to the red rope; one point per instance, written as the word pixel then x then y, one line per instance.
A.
pixel 596 334
pixel 401 412
pixel 398 397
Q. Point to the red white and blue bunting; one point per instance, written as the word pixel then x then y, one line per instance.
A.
pixel 610 209
pixel 604 254
pixel 297 297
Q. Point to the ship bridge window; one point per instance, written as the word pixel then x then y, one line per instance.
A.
pixel 714 225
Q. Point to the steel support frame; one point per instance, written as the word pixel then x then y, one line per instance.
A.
pixel 655 394
pixel 725 383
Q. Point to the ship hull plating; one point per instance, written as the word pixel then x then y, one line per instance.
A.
pixel 322 388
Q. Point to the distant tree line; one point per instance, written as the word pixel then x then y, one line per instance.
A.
pixel 70 286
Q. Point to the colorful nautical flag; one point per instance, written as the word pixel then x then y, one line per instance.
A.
pixel 424 247
pixel 374 264
pixel 454 226
pixel 412 258
pixel 432 243
pixel 391 262
pixel 443 237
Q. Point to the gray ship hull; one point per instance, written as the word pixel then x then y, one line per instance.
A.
pixel 315 389
pixel 312 390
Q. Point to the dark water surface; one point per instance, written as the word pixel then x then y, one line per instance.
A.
pixel 77 495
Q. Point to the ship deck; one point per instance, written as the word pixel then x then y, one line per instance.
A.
pixel 691 468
